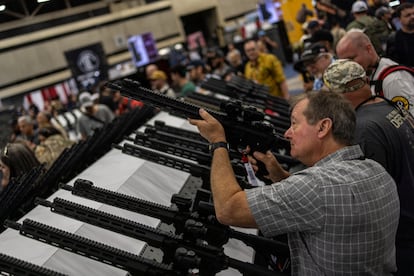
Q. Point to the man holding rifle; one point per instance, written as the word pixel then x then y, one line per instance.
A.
pixel 340 214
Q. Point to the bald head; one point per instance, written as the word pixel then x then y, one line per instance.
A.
pixel 356 45
pixel 354 37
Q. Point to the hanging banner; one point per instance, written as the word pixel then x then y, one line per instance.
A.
pixel 88 65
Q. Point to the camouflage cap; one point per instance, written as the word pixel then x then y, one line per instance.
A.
pixel 340 73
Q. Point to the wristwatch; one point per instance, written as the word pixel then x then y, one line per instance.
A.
pixel 212 147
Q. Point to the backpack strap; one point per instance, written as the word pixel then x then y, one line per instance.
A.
pixel 385 72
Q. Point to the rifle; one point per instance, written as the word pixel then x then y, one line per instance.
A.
pixel 114 131
pixel 197 170
pixel 17 198
pixel 170 136
pixel 184 139
pixel 175 137
pixel 94 250
pixel 161 126
pixel 245 90
pixel 14 266
pixel 184 221
pixel 148 141
pixel 244 125
pixel 212 259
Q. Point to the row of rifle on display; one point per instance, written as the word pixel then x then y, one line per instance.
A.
pixel 196 246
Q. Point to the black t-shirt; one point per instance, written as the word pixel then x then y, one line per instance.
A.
pixel 399 48
pixel 388 138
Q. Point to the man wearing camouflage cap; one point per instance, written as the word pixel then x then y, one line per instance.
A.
pixel 385 133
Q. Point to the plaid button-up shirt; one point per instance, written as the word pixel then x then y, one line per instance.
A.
pixel 341 216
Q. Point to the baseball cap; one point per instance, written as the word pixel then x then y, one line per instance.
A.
pixel 340 74
pixel 158 75
pixel 310 53
pixel 195 63
pixel 85 99
pixel 359 6
pixel 322 35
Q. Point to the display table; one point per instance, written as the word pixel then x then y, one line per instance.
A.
pixel 118 172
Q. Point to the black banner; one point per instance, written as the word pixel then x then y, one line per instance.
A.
pixel 88 65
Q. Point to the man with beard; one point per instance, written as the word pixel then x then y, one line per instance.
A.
pixel 399 46
pixel 216 61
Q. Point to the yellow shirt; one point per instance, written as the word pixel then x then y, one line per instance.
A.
pixel 268 71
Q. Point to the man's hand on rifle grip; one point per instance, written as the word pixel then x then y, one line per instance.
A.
pixel 209 127
pixel 273 167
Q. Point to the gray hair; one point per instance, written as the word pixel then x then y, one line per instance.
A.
pixel 27 119
pixel 333 106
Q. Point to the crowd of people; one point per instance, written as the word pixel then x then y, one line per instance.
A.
pixel 350 211
pixel 370 38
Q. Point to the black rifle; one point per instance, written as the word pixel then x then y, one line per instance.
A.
pixel 177 139
pixel 212 259
pixel 244 126
pixel 17 198
pixel 145 140
pixel 162 126
pixel 95 250
pixel 17 267
pixel 114 131
pixel 184 139
pixel 197 170
pixel 184 221
pixel 179 146
pixel 248 91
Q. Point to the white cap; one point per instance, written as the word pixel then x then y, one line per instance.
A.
pixel 85 99
pixel 359 6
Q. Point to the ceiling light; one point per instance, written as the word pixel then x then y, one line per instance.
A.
pixel 2 8
pixel 41 1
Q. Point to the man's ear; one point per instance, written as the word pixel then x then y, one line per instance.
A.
pixel 325 126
